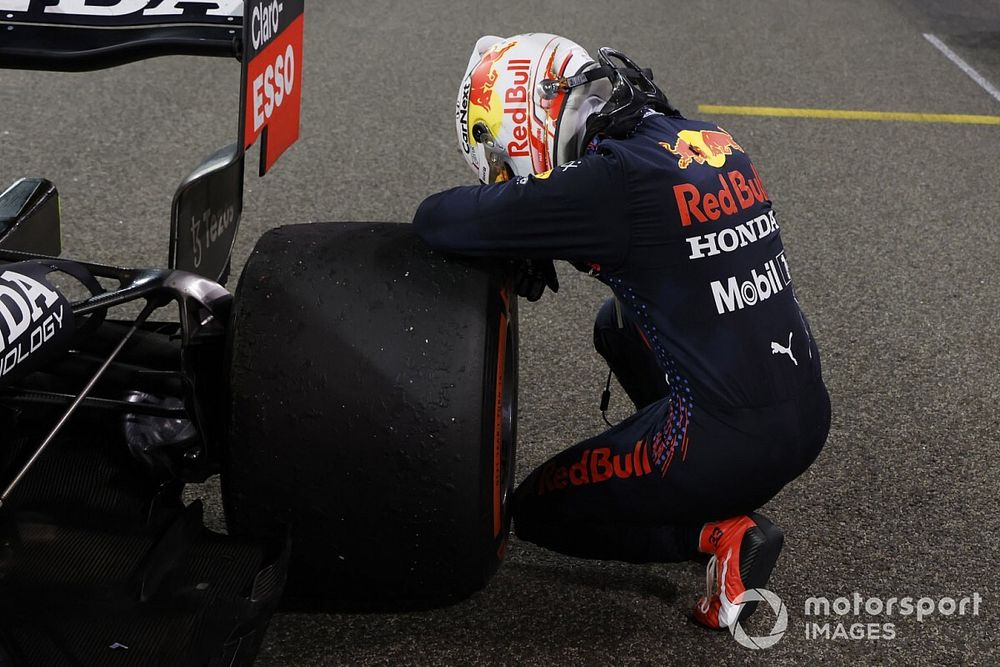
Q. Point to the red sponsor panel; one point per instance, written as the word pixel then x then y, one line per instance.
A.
pixel 274 94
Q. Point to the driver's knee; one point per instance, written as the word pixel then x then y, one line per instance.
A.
pixel 608 336
pixel 617 339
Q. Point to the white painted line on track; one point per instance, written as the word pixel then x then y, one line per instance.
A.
pixel 964 66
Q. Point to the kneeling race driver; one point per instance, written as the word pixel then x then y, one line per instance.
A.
pixel 587 161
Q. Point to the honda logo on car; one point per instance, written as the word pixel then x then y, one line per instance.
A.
pixel 125 7
pixel 27 318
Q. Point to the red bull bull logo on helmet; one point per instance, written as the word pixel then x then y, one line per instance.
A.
pixel 485 76
pixel 702 147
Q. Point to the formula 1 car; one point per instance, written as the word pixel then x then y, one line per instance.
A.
pixel 356 393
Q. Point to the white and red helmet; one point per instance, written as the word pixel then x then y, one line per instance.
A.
pixel 508 123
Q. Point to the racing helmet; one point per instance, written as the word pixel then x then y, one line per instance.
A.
pixel 507 124
pixel 531 102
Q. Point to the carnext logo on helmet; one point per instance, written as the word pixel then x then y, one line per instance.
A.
pixel 462 115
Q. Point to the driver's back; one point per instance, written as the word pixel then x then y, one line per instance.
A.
pixel 706 274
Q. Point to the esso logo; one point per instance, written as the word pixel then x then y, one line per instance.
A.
pixel 264 23
pixel 272 87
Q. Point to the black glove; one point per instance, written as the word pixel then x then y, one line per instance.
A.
pixel 531 276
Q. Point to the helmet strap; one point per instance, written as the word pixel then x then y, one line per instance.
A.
pixel 633 91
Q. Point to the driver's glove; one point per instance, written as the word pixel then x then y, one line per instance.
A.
pixel 532 276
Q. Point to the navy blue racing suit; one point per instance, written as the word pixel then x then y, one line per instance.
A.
pixel 713 348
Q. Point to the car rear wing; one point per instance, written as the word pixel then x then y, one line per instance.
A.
pixel 81 35
pixel 264 35
pixel 77 35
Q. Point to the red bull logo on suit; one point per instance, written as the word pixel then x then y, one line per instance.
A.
pixel 702 147
pixel 595 466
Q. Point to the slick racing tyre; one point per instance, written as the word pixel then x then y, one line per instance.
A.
pixel 373 388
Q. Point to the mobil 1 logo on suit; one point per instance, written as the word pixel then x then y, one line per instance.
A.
pixel 748 290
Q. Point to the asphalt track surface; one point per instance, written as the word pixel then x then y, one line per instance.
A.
pixel 891 229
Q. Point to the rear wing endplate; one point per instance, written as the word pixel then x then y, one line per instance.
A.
pixel 208 205
pixel 266 36
pixel 81 35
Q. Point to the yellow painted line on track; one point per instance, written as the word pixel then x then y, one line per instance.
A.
pixel 790 112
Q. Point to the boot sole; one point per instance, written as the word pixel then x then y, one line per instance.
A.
pixel 765 557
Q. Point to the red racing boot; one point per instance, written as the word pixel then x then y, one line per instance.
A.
pixel 744 550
